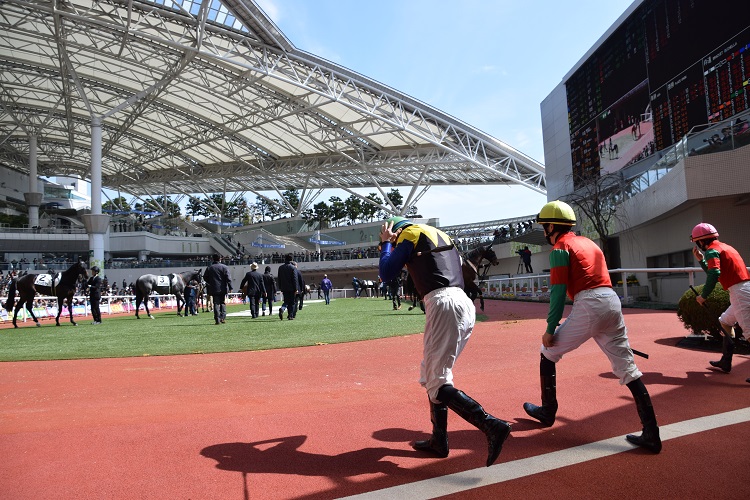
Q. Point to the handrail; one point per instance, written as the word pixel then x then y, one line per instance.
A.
pixel 540 281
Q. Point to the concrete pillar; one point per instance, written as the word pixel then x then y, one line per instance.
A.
pixel 33 198
pixel 96 223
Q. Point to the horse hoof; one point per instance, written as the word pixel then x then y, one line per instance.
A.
pixel 38 325
pixel 151 317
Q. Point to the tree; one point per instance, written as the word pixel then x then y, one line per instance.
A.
pixel 597 199
pixel 162 204
pixel 322 213
pixel 196 208
pixel 371 210
pixel 338 210
pixel 396 199
pixel 117 204
pixel 353 207
pixel 292 198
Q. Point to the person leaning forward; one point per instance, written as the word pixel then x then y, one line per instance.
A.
pixel 435 266
pixel 578 269
pixel 219 284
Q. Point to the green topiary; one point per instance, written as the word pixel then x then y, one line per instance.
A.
pixel 702 319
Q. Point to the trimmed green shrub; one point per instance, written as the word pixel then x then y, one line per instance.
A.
pixel 699 319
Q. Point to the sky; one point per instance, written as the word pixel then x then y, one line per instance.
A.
pixel 487 63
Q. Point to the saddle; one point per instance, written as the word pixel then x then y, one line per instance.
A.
pixel 47 280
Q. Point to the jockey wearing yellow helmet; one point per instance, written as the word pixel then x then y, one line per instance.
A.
pixel 578 270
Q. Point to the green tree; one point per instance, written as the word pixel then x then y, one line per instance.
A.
pixel 119 203
pixel 292 197
pixel 353 207
pixel 196 208
pixel 395 196
pixel 372 210
pixel 322 213
pixel 338 210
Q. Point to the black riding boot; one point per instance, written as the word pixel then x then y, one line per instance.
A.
pixel 438 442
pixel 545 413
pixel 496 430
pixel 725 363
pixel 649 438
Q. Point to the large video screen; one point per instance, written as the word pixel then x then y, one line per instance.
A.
pixel 672 65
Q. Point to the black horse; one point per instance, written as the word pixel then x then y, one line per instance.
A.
pixel 471 267
pixel 63 286
pixel 174 285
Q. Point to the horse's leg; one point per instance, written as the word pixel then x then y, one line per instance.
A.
pixel 19 305
pixel 59 311
pixel 180 303
pixel 145 304
pixel 481 301
pixel 70 309
pixel 29 307
pixel 137 305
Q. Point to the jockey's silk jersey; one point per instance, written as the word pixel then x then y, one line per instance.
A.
pixel 430 270
pixel 722 263
pixel 576 264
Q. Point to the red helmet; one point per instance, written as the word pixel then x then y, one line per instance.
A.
pixel 703 231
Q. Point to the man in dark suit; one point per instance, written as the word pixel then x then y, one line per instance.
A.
pixel 255 289
pixel 289 286
pixel 219 284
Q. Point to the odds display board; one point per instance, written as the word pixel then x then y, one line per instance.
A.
pixel 671 65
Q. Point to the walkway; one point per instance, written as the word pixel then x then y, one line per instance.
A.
pixel 335 420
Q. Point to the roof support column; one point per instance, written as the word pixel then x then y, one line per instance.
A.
pixel 96 223
pixel 33 197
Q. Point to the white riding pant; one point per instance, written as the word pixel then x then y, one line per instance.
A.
pixel 739 307
pixel 597 314
pixel 450 317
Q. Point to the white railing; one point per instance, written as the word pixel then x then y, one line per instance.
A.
pixel 537 286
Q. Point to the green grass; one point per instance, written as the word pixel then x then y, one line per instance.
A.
pixel 345 320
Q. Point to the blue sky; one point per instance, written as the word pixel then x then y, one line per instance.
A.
pixel 488 63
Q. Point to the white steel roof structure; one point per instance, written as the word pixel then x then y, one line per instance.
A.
pixel 203 96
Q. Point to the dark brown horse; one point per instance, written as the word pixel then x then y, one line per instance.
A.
pixel 62 286
pixel 472 267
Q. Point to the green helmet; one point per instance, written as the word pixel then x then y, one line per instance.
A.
pixel 399 223
pixel 556 212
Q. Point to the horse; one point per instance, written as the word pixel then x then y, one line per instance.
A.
pixel 62 285
pixel 471 266
pixel 173 284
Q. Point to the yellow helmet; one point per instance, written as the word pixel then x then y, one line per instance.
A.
pixel 556 212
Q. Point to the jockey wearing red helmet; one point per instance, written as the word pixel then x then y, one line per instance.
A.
pixel 724 265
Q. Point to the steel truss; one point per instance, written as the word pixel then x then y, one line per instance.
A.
pixel 191 105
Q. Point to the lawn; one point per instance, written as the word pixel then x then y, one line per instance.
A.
pixel 344 320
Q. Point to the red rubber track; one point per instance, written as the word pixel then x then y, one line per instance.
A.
pixel 336 420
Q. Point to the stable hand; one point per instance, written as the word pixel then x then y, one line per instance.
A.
pixel 548 339
pixel 699 299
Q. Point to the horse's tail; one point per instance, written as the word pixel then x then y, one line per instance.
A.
pixel 11 296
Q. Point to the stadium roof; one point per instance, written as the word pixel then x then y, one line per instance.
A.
pixel 205 96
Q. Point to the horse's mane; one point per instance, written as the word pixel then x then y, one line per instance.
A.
pixel 70 275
